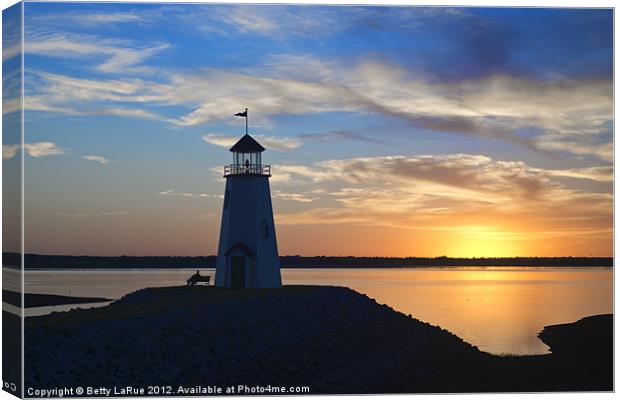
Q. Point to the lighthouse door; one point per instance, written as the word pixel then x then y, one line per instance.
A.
pixel 237 269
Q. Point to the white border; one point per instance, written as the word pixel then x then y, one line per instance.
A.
pixel 470 3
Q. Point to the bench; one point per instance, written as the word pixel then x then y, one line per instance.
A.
pixel 193 280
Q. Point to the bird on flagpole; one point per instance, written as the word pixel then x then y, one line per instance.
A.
pixel 245 115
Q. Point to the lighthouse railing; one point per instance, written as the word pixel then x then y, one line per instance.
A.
pixel 247 169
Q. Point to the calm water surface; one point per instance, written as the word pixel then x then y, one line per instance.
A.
pixel 500 309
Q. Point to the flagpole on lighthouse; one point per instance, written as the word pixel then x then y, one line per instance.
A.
pixel 245 115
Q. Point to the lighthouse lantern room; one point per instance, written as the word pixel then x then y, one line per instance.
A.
pixel 247 158
pixel 247 255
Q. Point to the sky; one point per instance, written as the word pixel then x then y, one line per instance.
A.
pixel 390 131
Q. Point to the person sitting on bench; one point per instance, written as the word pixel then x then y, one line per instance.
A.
pixel 194 279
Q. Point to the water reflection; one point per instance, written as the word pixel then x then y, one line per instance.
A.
pixel 499 310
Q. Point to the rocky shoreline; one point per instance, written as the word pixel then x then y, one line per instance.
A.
pixel 330 339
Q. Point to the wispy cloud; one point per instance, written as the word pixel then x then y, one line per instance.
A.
pixel 340 134
pixel 174 193
pixel 11 38
pixel 251 21
pixel 299 197
pixel 599 174
pixel 561 116
pixel 270 142
pixel 83 215
pixel 78 96
pixel 9 151
pixel 36 150
pixel 220 140
pixel 265 20
pixel 90 19
pixel 43 149
pixel 71 215
pixel 427 191
pixel 112 213
pixel 127 112
pixel 13 50
pixel 114 55
pixel 208 215
pixel 98 159
pixel 313 22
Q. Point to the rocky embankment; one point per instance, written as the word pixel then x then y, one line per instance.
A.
pixel 331 339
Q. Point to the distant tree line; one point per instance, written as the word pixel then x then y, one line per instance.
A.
pixel 33 261
pixel 397 262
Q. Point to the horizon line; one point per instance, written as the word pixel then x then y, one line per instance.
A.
pixel 315 256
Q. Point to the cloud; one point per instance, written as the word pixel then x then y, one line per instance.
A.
pixel 90 19
pixel 251 21
pixel 310 22
pixel 36 150
pixel 220 140
pixel 579 144
pixel 208 215
pixel 101 214
pixel 172 192
pixel 340 134
pixel 12 51
pixel 299 197
pixel 43 149
pixel 77 96
pixel 66 87
pixel 106 18
pixel 304 172
pixel 565 115
pixel 11 105
pixel 112 213
pixel 97 159
pixel 125 59
pixel 279 21
pixel 11 37
pixel 269 142
pixel 11 90
pixel 599 174
pixel 264 96
pixel 129 112
pixel 455 173
pixel 114 55
pixel 555 116
pixel 428 191
pixel 71 215
pixel 9 151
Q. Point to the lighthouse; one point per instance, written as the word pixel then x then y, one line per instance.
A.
pixel 247 255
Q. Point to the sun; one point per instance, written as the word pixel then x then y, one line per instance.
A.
pixel 485 241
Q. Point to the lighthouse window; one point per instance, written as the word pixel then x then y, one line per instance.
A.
pixel 226 200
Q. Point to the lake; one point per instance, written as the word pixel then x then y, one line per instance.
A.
pixel 498 309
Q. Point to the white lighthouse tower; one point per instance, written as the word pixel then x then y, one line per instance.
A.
pixel 247 255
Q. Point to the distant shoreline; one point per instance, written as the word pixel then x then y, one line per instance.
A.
pixel 38 261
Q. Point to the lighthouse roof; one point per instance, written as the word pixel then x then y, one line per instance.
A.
pixel 247 144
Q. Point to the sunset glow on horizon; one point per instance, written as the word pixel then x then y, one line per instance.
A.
pixel 390 131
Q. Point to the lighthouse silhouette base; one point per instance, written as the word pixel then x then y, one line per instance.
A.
pixel 248 254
